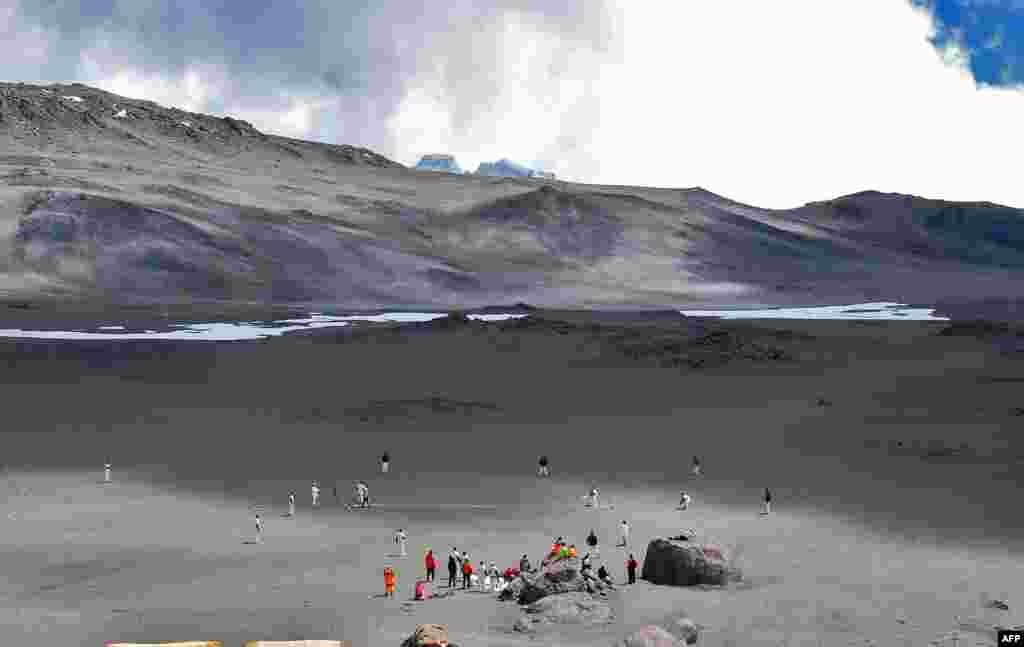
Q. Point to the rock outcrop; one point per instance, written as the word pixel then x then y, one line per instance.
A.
pixel 565 608
pixel 687 564
pixel 561 577
pixel 428 635
pixel 439 162
pixel 675 631
pixel 504 168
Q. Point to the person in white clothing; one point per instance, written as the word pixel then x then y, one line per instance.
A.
pixel 291 504
pixel 259 529
pixel 385 463
pixel 624 533
pixel 592 501
pixel 684 501
pixel 315 491
pixel 401 539
pixel 696 467
pixel 106 472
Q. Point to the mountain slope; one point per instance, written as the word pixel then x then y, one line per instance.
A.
pixel 104 197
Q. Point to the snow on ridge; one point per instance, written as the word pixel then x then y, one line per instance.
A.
pixel 186 124
pixel 121 115
pixel 74 98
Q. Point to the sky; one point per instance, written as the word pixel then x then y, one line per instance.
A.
pixel 774 104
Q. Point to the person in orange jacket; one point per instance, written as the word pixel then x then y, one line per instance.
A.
pixel 431 565
pixel 572 551
pixel 390 580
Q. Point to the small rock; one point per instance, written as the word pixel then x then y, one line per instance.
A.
pixel 998 604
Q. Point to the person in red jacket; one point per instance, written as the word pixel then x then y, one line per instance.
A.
pixel 467 572
pixel 631 568
pixel 431 565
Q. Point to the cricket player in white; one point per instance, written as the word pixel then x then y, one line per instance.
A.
pixel 291 504
pixel 385 463
pixel 401 539
pixel 106 472
pixel 259 529
pixel 315 490
pixel 593 497
pixel 624 533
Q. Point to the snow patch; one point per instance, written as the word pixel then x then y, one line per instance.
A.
pixel 74 99
pixel 186 124
pixel 121 115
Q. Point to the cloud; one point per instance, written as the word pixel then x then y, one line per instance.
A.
pixel 985 36
pixel 774 104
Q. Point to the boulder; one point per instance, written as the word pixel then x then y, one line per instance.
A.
pixel 684 629
pixel 563 576
pixel 428 635
pixel 674 631
pixel 650 636
pixel 569 608
pixel 687 564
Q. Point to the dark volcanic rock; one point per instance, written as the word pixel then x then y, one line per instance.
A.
pixel 685 564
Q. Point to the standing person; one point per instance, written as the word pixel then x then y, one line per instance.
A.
pixel 592 502
pixel 485 576
pixel 542 467
pixel 431 564
pixel 766 507
pixel 592 542
pixel 291 504
pixel 390 581
pixel 524 564
pixel 604 575
pixel 385 463
pixel 467 570
pixel 684 501
pixel 335 492
pixel 624 533
pixel 696 467
pixel 315 491
pixel 401 538
pixel 453 567
pixel 106 471
pixel 631 568
pixel 259 529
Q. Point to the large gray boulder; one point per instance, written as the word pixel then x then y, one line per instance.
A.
pixel 565 608
pixel 563 576
pixel 684 563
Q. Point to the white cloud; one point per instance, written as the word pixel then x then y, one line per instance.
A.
pixel 191 91
pixel 774 104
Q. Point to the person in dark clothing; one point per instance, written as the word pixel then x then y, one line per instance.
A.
pixel 585 564
pixel 524 565
pixel 603 575
pixel 592 541
pixel 542 467
pixel 767 507
pixel 631 568
pixel 453 569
